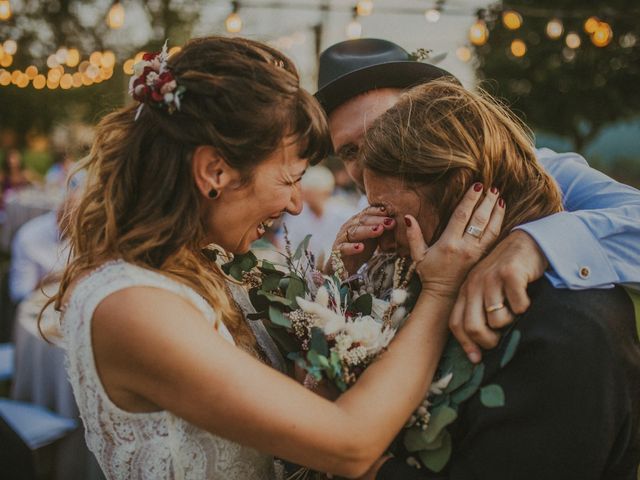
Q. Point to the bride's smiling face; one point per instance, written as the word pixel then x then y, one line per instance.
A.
pixel 400 199
pixel 243 209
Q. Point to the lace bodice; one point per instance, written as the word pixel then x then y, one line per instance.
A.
pixel 149 446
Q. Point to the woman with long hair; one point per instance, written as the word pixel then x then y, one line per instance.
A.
pixel 169 378
pixel 573 387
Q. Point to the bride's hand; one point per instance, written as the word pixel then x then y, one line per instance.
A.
pixel 470 233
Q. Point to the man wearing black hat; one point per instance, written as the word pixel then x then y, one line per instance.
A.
pixel 595 247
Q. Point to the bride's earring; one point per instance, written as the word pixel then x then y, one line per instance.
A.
pixel 213 193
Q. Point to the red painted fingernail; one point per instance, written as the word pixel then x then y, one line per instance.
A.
pixel 501 202
pixel 357 247
pixel 376 228
pixel 477 186
pixel 407 221
pixel 388 221
pixel 494 190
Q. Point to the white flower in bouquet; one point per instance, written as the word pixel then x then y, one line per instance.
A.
pixel 369 333
pixel 378 307
pixel 323 317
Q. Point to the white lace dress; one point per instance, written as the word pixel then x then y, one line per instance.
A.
pixel 149 446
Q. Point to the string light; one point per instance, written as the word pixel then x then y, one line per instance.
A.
pixel 573 40
pixel 5 78
pixel 463 54
pixel 31 71
pixel 518 48
pixel 128 67
pixel 432 15
pixel 95 58
pixel 479 33
pixel 174 50
pixel 66 82
pixel 511 19
pixel 39 82
pixel 77 79
pixel 5 10
pixel 591 24
pixel 116 16
pixel 602 35
pixel 628 40
pixel 554 29
pixel 62 55
pixel 10 47
pixel 6 61
pixel 52 61
pixel 364 8
pixel 73 58
pixel 233 23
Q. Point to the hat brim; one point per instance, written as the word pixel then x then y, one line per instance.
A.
pixel 402 74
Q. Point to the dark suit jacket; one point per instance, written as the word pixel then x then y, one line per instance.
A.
pixel 572 397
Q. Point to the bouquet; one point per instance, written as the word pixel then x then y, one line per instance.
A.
pixel 327 328
pixel 334 328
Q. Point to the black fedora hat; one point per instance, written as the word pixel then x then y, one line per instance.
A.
pixel 352 67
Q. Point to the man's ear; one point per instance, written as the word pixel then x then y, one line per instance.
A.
pixel 211 171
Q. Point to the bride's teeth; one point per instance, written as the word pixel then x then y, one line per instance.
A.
pixel 268 223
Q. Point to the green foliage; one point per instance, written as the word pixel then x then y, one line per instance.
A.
pixel 570 93
pixel 492 396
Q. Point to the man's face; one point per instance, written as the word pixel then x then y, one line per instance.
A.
pixel 349 122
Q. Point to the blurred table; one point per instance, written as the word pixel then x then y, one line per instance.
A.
pixel 22 205
pixel 40 378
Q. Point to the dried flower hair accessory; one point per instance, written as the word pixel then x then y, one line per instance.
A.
pixel 153 83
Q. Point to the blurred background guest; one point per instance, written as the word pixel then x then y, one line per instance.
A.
pixel 38 251
pixel 14 175
pixel 58 172
pixel 322 213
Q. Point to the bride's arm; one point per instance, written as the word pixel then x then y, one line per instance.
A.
pixel 151 345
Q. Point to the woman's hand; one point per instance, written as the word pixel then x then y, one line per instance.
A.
pixel 357 239
pixel 469 234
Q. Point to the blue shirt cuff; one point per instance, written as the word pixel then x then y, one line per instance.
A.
pixel 574 254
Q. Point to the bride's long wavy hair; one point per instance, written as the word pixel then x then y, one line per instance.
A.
pixel 141 204
pixel 441 135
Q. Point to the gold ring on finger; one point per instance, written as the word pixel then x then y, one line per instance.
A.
pixel 495 307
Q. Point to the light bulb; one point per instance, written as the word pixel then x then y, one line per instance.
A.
pixel 116 15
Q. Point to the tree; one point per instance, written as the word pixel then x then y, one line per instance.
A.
pixel 570 92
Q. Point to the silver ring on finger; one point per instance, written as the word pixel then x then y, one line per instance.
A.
pixel 474 231
pixel 495 307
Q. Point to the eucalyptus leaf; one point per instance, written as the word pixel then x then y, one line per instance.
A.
pixel 236 272
pixel 440 418
pixel 317 360
pixel 304 245
pixel 436 460
pixel 363 304
pixel 277 317
pixel 467 390
pixel 462 370
pixel 275 298
pixel 295 289
pixel 415 439
pixel 270 282
pixel 492 396
pixel 286 341
pixel 319 342
pixel 510 350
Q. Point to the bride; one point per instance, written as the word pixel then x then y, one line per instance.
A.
pixel 170 380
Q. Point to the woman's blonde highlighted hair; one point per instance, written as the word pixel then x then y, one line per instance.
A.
pixel 141 204
pixel 442 135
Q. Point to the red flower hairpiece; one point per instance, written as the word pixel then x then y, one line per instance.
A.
pixel 153 83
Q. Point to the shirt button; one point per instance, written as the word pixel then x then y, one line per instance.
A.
pixel 585 273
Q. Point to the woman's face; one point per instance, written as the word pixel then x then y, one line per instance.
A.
pixel 400 199
pixel 242 212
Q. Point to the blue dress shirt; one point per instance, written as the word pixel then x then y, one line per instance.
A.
pixel 595 243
